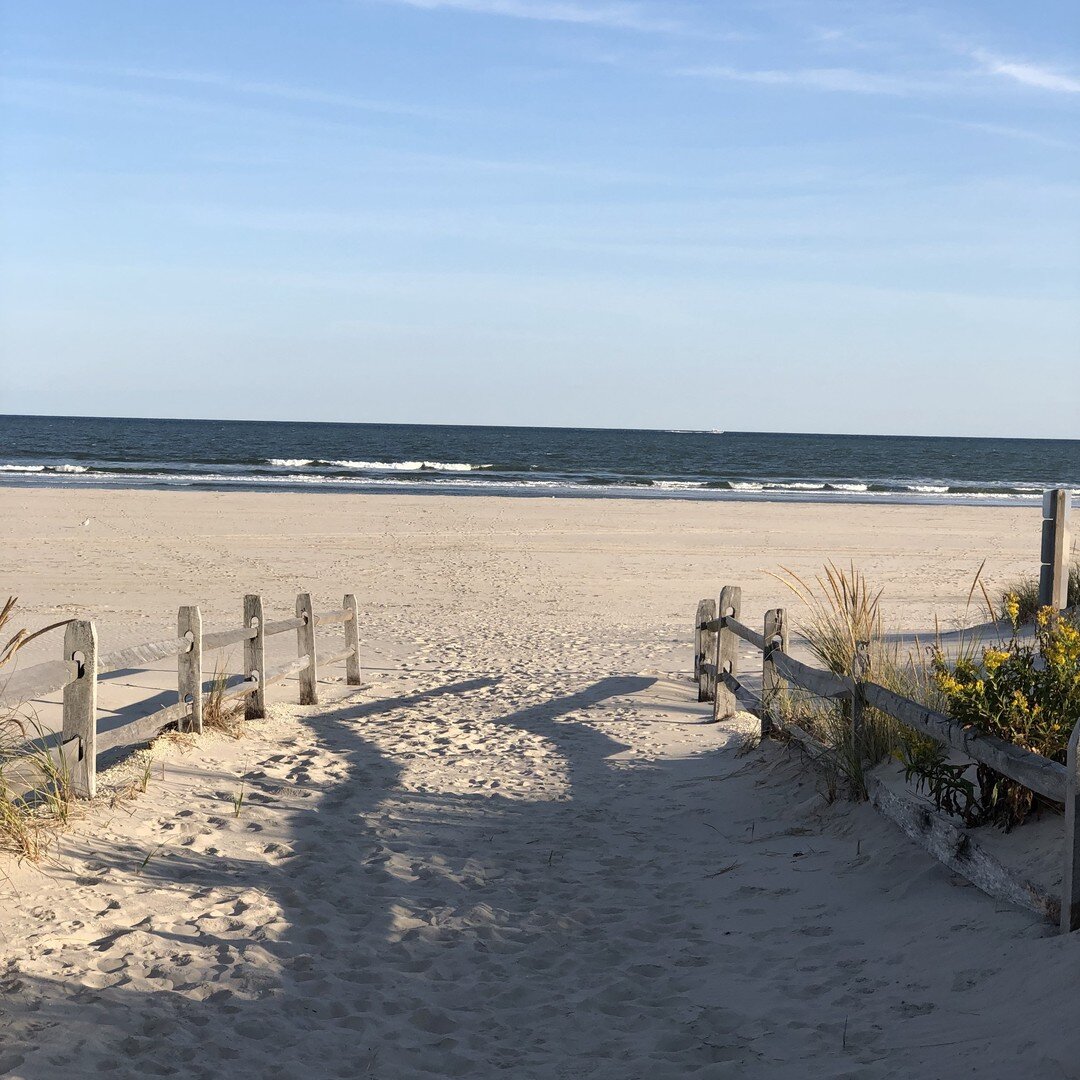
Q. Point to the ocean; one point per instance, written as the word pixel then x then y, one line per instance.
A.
pixel 236 454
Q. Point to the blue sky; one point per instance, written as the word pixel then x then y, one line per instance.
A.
pixel 774 216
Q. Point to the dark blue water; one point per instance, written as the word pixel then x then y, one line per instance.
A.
pixel 220 454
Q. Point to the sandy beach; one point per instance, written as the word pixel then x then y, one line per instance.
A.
pixel 519 849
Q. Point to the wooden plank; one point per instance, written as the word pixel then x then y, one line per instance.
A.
pixel 1070 882
pixel 336 658
pixel 136 656
pixel 705 639
pixel 189 668
pixel 80 705
pixel 285 670
pixel 1032 770
pixel 957 849
pixel 342 615
pixel 729 607
pixel 281 626
pixel 353 674
pixel 36 682
pixel 145 729
pixel 775 638
pixel 746 698
pixel 239 689
pixel 255 657
pixel 1056 549
pixel 823 683
pixel 739 630
pixel 305 646
pixel 222 638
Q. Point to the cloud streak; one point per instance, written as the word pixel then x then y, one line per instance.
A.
pixel 1035 75
pixel 615 16
pixel 835 80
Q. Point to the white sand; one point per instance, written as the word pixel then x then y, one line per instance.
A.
pixel 518 851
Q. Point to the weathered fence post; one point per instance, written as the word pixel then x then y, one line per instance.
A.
pixel 305 646
pixel 189 666
pixel 727 653
pixel 80 706
pixel 860 674
pixel 352 641
pixel 706 613
pixel 255 658
pixel 1056 549
pixel 775 634
pixel 1070 882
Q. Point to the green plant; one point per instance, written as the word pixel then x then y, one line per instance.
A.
pixel 1025 591
pixel 1026 692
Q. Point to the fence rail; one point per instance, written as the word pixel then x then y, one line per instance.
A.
pixel 77 673
pixel 718 626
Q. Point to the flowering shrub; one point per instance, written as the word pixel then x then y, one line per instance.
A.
pixel 1027 693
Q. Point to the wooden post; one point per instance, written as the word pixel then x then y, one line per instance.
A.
pixel 727 653
pixel 255 658
pixel 80 706
pixel 860 673
pixel 700 657
pixel 305 646
pixel 189 666
pixel 352 641
pixel 1070 882
pixel 775 634
pixel 1056 549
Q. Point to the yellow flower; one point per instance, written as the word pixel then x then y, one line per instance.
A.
pixel 993 659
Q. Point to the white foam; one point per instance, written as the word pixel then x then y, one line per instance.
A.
pixel 848 487
pixel 928 489
pixel 290 462
pixel 22 468
pixel 408 466
pixel 69 468
pixel 748 485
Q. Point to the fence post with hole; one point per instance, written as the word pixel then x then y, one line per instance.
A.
pixel 305 646
pixel 726 660
pixel 352 641
pixel 189 666
pixel 1056 545
pixel 255 658
pixel 775 634
pixel 80 705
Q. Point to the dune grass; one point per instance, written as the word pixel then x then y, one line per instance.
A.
pixel 843 628
pixel 27 818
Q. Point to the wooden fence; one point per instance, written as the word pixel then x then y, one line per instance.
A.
pixel 77 673
pixel 718 630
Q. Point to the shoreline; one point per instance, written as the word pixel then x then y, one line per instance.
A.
pixel 807 492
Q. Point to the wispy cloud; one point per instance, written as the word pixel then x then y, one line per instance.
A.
pixel 616 15
pixel 1043 78
pixel 837 80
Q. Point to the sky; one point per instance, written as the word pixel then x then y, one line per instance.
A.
pixel 777 215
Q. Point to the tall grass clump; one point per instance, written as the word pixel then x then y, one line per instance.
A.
pixel 222 714
pixel 27 818
pixel 843 628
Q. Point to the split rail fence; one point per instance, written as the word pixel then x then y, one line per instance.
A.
pixel 718 631
pixel 77 673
